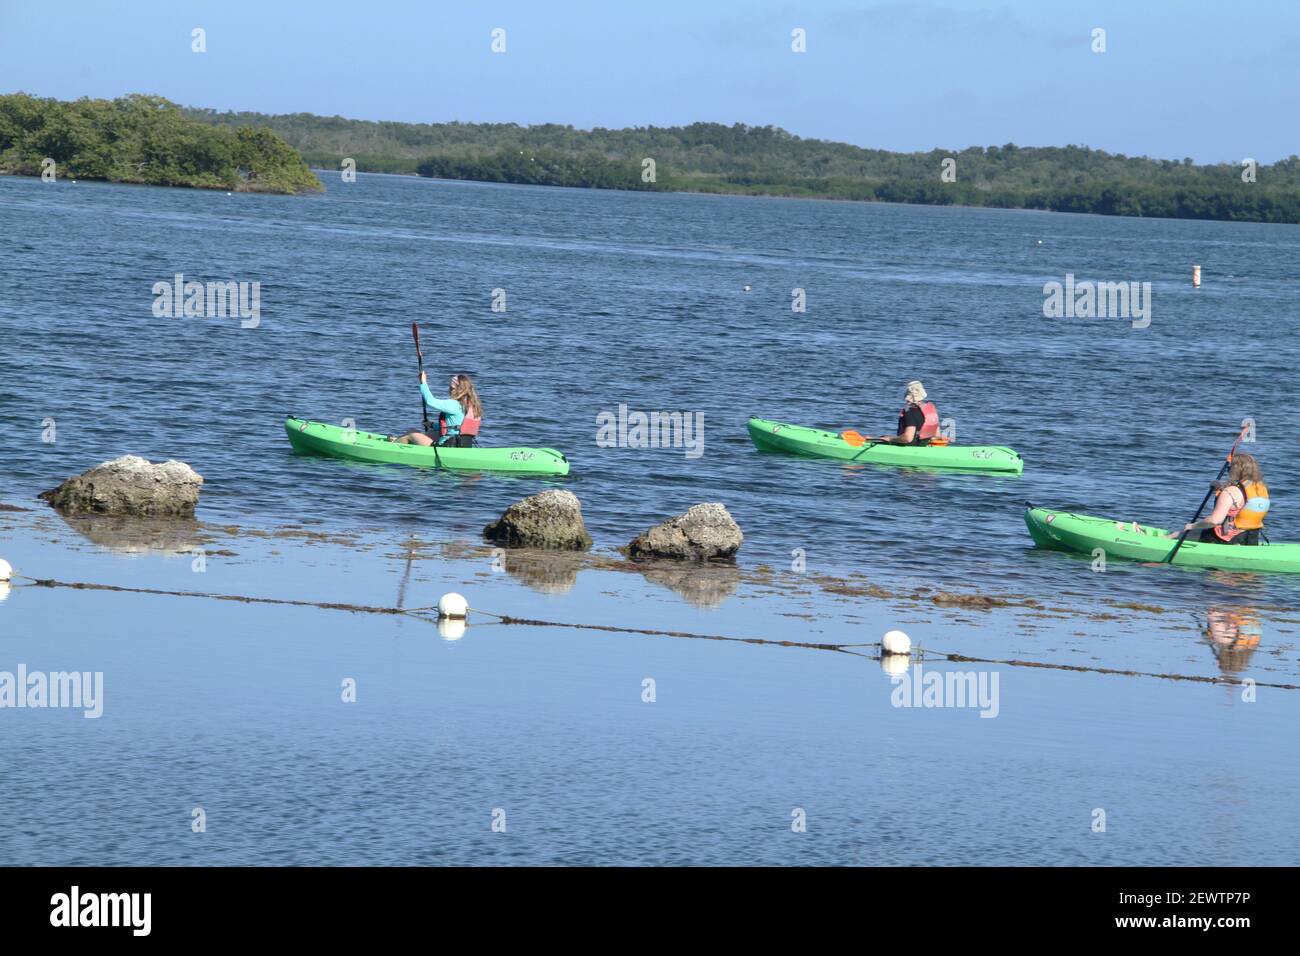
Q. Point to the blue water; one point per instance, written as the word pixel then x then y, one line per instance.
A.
pixel 637 299
pixel 237 710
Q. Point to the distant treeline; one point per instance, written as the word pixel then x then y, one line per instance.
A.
pixel 143 139
pixel 710 157
pixel 540 168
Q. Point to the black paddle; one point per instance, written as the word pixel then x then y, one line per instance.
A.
pixel 424 409
pixel 1208 495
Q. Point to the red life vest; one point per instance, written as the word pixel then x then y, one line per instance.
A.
pixel 468 426
pixel 931 426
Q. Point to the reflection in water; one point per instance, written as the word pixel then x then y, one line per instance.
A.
pixel 451 628
pixel 411 545
pixel 703 586
pixel 894 665
pixel 135 535
pixel 1233 634
pixel 556 572
pixel 550 572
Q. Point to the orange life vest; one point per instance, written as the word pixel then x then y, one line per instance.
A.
pixel 1248 517
pixel 929 429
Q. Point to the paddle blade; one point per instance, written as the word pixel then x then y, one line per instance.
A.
pixel 853 438
pixel 415 334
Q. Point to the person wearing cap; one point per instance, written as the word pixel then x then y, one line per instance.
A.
pixel 918 422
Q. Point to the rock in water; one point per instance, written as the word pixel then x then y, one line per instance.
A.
pixel 130 486
pixel 706 532
pixel 551 519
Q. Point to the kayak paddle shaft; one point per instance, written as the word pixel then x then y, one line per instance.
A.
pixel 419 356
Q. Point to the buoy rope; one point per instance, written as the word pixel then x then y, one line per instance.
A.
pixel 530 622
pixel 1195 678
pixel 372 609
pixel 918 653
pixel 241 598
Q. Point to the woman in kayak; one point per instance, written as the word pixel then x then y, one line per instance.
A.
pixel 1239 510
pixel 459 415
pixel 918 422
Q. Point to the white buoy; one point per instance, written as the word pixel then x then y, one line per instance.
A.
pixel 6 570
pixel 453 605
pixel 451 628
pixel 229 194
pixel 1196 277
pixel 896 642
pixel 746 288
pixel 1040 242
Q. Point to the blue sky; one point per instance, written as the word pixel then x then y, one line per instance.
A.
pixel 1179 78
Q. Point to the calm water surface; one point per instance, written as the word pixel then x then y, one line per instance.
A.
pixel 633 299
pixel 236 709
pixel 636 299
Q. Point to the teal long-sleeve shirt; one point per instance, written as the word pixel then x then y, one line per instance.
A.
pixel 448 407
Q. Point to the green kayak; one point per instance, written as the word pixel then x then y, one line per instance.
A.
pixel 1065 531
pixel 797 440
pixel 321 439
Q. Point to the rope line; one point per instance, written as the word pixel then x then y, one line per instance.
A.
pixel 243 599
pixel 919 653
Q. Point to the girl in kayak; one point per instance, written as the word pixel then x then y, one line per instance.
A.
pixel 918 422
pixel 1239 510
pixel 459 415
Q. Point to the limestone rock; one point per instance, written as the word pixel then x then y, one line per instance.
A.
pixel 130 486
pixel 706 532
pixel 551 519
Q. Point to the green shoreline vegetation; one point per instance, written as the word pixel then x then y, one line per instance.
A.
pixel 145 140
pixel 767 161
pixel 149 140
